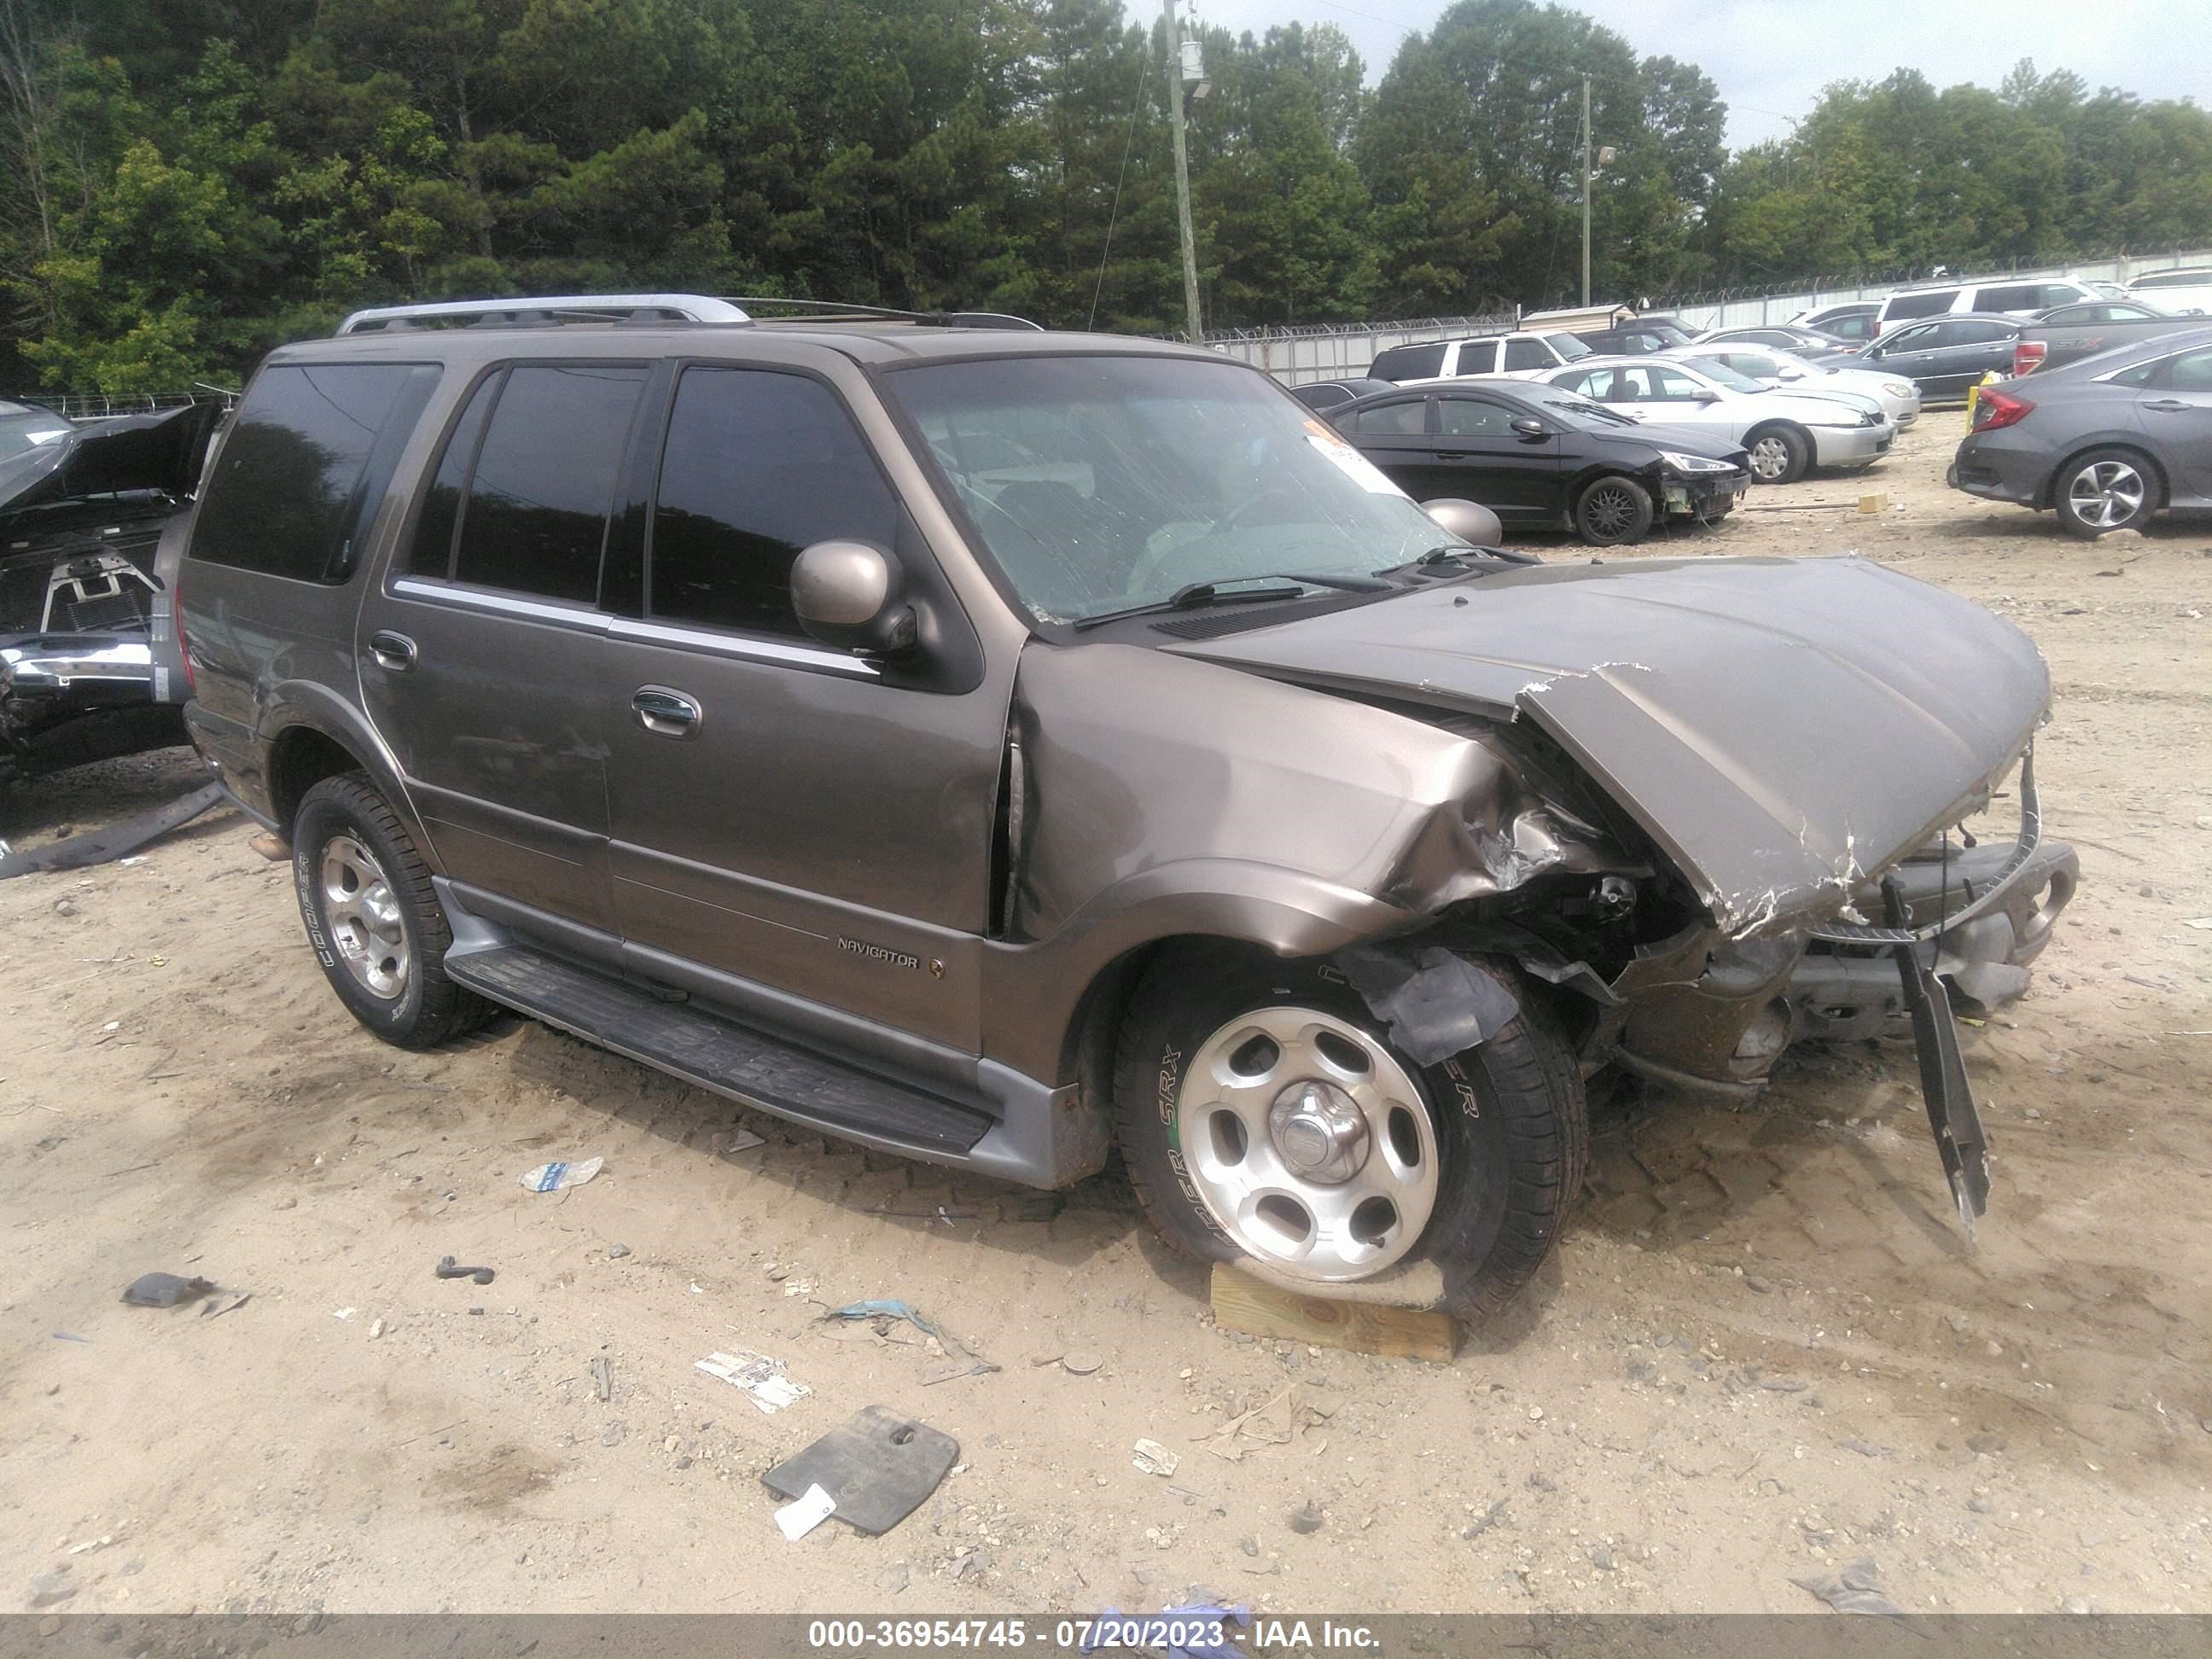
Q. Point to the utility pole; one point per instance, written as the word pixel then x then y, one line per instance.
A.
pixel 1182 168
pixel 1586 184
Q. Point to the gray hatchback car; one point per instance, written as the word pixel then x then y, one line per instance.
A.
pixel 997 746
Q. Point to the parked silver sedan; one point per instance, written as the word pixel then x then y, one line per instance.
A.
pixel 1897 397
pixel 1786 431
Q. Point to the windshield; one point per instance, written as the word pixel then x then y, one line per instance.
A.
pixel 1568 347
pixel 1564 405
pixel 21 432
pixel 1103 483
pixel 1721 375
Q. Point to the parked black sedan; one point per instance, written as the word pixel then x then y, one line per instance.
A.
pixel 1945 355
pixel 1542 458
pixel 1323 395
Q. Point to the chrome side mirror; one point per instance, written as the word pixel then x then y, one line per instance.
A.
pixel 1470 521
pixel 852 595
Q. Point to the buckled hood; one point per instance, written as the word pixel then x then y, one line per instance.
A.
pixel 1781 728
pixel 161 452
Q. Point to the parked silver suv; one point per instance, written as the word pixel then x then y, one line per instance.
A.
pixel 993 745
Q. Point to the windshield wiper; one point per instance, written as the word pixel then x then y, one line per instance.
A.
pixel 1197 596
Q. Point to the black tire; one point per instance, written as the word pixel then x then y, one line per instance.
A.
pixel 427 1008
pixel 1782 450
pixel 1612 512
pixel 1510 1156
pixel 2107 478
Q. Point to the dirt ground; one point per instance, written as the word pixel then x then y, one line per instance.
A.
pixel 1765 1345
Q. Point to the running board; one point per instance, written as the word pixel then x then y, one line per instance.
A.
pixel 715 1054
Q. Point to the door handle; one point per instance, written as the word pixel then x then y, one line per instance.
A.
pixel 666 713
pixel 394 651
pixel 2168 404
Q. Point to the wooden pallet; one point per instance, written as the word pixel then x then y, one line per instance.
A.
pixel 1241 1302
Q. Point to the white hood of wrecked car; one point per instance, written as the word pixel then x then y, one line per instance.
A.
pixel 1780 728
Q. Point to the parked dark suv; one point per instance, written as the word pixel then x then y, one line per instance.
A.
pixel 991 745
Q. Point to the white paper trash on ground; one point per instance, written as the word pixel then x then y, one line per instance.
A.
pixel 761 1378
pixel 553 1178
pixel 804 1513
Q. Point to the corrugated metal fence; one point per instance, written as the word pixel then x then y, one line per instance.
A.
pixel 1327 352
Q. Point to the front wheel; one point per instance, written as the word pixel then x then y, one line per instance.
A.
pixel 1779 455
pixel 2104 490
pixel 1265 1114
pixel 373 917
pixel 1613 511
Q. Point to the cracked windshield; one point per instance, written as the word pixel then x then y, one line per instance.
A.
pixel 1102 484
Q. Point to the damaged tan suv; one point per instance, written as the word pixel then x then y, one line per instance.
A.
pixel 997 747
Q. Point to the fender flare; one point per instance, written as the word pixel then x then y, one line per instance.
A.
pixel 297 705
pixel 1034 990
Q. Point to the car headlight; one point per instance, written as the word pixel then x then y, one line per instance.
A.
pixel 1682 463
pixel 1899 388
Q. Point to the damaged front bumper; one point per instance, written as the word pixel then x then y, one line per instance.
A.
pixel 1971 919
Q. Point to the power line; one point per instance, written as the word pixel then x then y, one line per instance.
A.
pixel 1129 137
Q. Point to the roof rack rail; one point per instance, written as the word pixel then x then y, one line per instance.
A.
pixel 835 310
pixel 537 310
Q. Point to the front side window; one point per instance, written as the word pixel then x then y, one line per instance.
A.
pixel 758 467
pixel 1098 482
pixel 1527 353
pixel 534 518
pixel 287 497
pixel 1473 417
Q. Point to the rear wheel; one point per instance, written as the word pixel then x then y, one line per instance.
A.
pixel 2104 490
pixel 1613 511
pixel 1779 455
pixel 373 917
pixel 1265 1116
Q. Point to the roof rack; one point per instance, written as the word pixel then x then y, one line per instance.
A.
pixel 552 310
pixel 538 312
pixel 840 310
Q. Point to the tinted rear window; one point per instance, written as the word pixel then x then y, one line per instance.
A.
pixel 1930 304
pixel 2017 296
pixel 535 518
pixel 1408 362
pixel 291 492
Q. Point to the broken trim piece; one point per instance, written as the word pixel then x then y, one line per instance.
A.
pixel 1437 1002
pixel 2030 837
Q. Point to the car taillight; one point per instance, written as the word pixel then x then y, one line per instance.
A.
pixel 1995 408
pixel 2028 357
pixel 177 623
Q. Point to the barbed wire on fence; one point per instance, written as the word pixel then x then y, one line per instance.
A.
pixel 98 405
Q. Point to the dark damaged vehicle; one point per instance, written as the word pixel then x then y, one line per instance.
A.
pixel 996 747
pixel 92 526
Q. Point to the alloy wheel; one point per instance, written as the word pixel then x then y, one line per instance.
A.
pixel 364 918
pixel 1607 510
pixel 2106 495
pixel 1309 1143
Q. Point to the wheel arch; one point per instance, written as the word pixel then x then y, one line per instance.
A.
pixel 309 734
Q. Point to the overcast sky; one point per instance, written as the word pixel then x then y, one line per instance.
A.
pixel 1771 57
